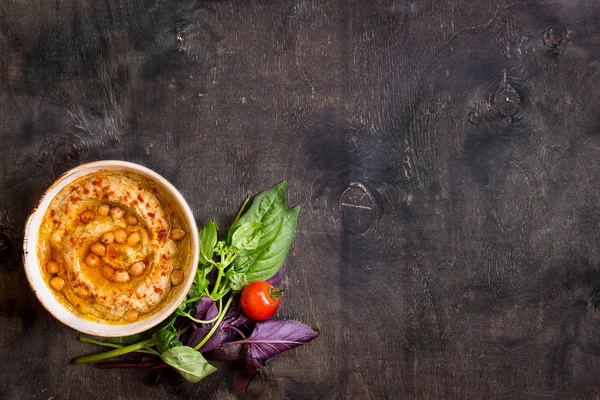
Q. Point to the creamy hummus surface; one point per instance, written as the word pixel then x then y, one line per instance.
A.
pixel 112 246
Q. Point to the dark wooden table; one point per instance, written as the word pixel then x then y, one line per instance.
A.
pixel 446 156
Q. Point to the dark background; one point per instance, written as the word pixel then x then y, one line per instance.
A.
pixel 446 156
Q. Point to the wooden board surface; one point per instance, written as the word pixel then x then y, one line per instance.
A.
pixel 446 156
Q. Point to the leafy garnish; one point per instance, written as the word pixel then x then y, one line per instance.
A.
pixel 272 337
pixel 208 240
pixel 190 363
pixel 246 237
pixel 271 259
pixel 166 338
pixel 267 208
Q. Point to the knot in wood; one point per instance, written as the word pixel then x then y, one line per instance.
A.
pixel 553 37
pixel 357 208
pixel 473 117
pixel 507 101
pixel 65 158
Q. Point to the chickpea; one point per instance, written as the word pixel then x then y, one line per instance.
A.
pixel 92 260
pixel 131 315
pixel 130 219
pixel 56 255
pixel 52 267
pixel 98 249
pixel 57 283
pixel 107 272
pixel 116 213
pixel 176 277
pixel 177 234
pixel 107 238
pixel 86 216
pixel 120 236
pixel 56 237
pixel 133 239
pixel 103 210
pixel 137 268
pixel 121 276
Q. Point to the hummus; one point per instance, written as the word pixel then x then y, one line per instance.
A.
pixel 112 246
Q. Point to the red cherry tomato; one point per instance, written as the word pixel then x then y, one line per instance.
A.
pixel 260 300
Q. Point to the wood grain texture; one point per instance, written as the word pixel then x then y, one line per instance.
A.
pixel 446 156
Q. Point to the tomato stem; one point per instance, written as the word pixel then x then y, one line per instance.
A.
pixel 274 293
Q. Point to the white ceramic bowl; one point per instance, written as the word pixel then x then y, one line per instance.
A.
pixel 44 292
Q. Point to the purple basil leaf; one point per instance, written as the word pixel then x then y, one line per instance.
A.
pixel 217 339
pixel 275 336
pixel 237 318
pixel 276 279
pixel 184 337
pixel 254 363
pixel 203 307
pixel 233 311
pixel 212 312
pixel 245 324
pixel 242 322
pixel 191 327
pixel 197 336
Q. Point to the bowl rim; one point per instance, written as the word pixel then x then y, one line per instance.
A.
pixel 42 290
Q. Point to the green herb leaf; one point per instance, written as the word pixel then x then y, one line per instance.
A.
pixel 190 363
pixel 194 290
pixel 166 338
pixel 235 280
pixel 267 208
pixel 246 236
pixel 208 240
pixel 201 282
pixel 268 262
pixel 181 309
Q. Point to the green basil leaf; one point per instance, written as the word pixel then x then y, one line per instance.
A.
pixel 195 289
pixel 166 338
pixel 267 208
pixel 268 262
pixel 236 281
pixel 189 362
pixel 247 236
pixel 202 283
pixel 208 240
pixel 180 310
